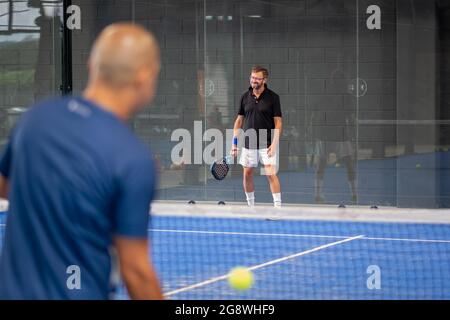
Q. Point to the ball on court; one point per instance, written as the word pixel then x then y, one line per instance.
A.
pixel 240 278
pixel 418 165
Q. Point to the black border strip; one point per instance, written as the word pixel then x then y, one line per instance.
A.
pixel 66 53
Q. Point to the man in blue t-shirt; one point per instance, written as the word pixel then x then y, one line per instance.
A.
pixel 80 183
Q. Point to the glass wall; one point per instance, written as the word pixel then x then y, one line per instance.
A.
pixel 310 50
pixel 30 57
pixel 363 88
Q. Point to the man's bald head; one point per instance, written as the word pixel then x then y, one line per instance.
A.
pixel 120 52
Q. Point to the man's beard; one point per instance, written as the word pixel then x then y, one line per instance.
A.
pixel 256 86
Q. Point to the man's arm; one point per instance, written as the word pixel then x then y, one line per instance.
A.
pixel 237 126
pixel 276 138
pixel 137 270
pixel 3 187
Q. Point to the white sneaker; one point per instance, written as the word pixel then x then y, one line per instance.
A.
pixel 276 215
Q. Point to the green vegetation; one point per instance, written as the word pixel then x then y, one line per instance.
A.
pixel 25 77
pixel 9 76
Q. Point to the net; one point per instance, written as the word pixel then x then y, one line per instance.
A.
pixel 299 252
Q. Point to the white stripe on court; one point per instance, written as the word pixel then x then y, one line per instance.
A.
pixel 291 235
pixel 296 235
pixel 259 266
pixel 249 234
pixel 409 240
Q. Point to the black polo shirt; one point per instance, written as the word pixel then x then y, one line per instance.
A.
pixel 258 115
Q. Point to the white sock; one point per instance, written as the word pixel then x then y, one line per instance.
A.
pixel 276 199
pixel 250 198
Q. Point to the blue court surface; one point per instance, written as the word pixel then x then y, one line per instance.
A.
pixel 299 259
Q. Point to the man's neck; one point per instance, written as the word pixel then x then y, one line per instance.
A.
pixel 107 101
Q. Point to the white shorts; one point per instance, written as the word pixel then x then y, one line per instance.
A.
pixel 251 157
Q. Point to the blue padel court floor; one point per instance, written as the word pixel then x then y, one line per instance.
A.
pixel 301 259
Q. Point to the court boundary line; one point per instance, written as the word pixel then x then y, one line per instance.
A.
pixel 408 240
pixel 258 234
pixel 262 265
pixel 293 235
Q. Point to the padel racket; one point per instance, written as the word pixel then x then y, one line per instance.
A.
pixel 220 168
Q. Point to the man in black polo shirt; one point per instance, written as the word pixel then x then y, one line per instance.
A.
pixel 260 117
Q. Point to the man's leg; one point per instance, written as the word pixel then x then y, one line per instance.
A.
pixel 248 161
pixel 270 170
pixel 249 186
pixel 274 184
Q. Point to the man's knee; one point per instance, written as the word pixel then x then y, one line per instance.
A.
pixel 270 171
pixel 248 173
pixel 271 174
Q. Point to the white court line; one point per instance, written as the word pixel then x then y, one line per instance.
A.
pixel 250 233
pixel 410 240
pixel 295 235
pixel 291 235
pixel 259 266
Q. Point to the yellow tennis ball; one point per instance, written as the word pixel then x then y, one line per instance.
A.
pixel 240 278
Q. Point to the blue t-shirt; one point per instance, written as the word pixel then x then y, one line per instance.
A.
pixel 78 176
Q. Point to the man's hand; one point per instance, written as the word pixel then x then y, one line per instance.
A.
pixel 234 151
pixel 272 150
pixel 137 270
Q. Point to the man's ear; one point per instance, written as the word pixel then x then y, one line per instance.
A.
pixel 142 76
